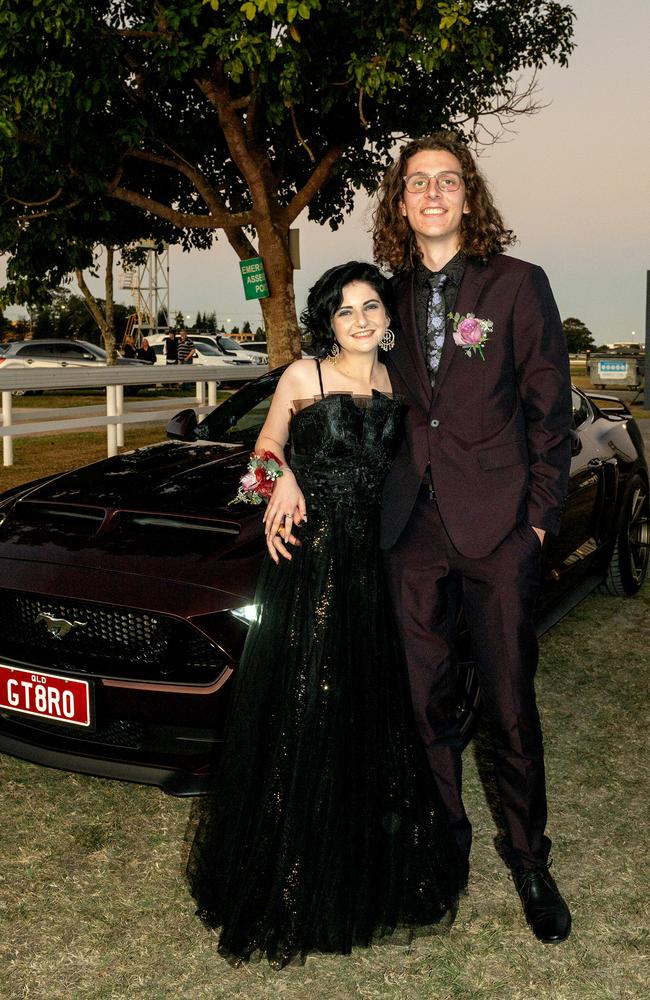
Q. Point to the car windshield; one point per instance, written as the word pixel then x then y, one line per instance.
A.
pixel 229 343
pixel 239 419
pixel 99 352
pixel 210 349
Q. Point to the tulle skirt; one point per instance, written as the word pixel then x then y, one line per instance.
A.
pixel 323 830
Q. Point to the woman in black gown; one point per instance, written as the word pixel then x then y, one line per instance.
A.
pixel 323 830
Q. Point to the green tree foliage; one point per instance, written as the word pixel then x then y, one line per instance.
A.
pixel 578 337
pixel 223 115
pixel 68 315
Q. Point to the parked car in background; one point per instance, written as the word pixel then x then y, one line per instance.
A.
pixel 127 587
pixel 206 354
pixel 55 353
pixel 258 347
pixel 238 350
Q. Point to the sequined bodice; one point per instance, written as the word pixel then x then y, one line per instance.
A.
pixel 342 447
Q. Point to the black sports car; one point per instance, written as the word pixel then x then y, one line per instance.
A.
pixel 127 586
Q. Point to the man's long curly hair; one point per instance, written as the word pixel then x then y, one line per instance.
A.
pixel 482 230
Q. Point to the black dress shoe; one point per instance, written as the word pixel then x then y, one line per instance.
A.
pixel 545 910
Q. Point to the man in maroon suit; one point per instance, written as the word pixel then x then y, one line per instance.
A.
pixel 481 361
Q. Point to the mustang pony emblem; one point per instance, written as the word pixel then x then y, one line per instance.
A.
pixel 59 627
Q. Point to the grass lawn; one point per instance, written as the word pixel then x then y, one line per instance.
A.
pixel 93 904
pixel 638 411
pixel 44 454
pixel 93 397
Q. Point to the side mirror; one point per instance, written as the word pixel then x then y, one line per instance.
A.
pixel 182 425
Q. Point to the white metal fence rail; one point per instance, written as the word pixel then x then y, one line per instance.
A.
pixel 113 379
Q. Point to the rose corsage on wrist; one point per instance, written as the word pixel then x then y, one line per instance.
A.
pixel 471 333
pixel 256 485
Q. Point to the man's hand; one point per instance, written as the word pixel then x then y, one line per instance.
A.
pixel 540 532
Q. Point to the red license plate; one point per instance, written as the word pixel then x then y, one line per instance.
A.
pixel 58 699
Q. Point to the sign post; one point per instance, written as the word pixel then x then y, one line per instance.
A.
pixel 254 278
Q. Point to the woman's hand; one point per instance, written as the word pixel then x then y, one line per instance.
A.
pixel 285 509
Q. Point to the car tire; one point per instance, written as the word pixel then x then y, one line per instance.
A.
pixel 628 566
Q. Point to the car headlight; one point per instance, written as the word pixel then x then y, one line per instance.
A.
pixel 248 614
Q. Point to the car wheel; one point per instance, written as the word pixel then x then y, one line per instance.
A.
pixel 629 563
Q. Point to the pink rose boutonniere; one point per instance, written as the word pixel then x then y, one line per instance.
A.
pixel 471 333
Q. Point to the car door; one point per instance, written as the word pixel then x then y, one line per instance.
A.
pixel 73 355
pixel 37 355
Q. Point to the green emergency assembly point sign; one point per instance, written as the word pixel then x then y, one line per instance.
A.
pixel 252 274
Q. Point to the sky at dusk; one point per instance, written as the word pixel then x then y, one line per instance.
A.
pixel 572 182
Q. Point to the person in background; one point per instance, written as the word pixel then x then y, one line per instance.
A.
pixel 128 347
pixel 170 349
pixel 480 479
pixel 146 352
pixel 186 349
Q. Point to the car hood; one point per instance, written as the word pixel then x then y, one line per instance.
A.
pixel 160 512
pixel 195 478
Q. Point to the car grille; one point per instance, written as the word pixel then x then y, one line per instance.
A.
pixel 118 642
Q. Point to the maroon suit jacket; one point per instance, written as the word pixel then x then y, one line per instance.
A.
pixel 496 432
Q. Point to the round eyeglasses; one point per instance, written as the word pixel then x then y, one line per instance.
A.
pixel 446 181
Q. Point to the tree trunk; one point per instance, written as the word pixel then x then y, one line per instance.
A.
pixel 279 310
pixel 109 333
pixel 105 321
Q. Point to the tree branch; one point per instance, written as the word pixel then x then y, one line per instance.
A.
pixel 215 203
pixel 519 99
pixel 240 242
pixel 91 303
pixel 250 160
pixel 49 212
pixel 36 204
pixel 299 137
pixel 182 220
pixel 316 181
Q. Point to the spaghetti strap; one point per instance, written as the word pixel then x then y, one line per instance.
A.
pixel 320 378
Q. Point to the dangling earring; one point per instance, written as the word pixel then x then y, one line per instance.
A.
pixel 387 342
pixel 333 353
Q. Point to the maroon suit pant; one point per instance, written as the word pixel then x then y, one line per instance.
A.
pixel 498 594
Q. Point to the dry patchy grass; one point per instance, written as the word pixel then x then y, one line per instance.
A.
pixel 93 904
pixel 50 453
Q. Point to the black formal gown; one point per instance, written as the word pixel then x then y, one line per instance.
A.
pixel 323 830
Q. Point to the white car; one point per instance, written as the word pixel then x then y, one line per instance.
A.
pixel 55 353
pixel 206 354
pixel 231 346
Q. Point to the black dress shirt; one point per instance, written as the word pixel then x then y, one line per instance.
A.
pixel 454 269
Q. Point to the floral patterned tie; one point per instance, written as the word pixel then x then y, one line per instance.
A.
pixel 436 323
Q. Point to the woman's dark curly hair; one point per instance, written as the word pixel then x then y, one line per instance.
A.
pixel 326 296
pixel 482 231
